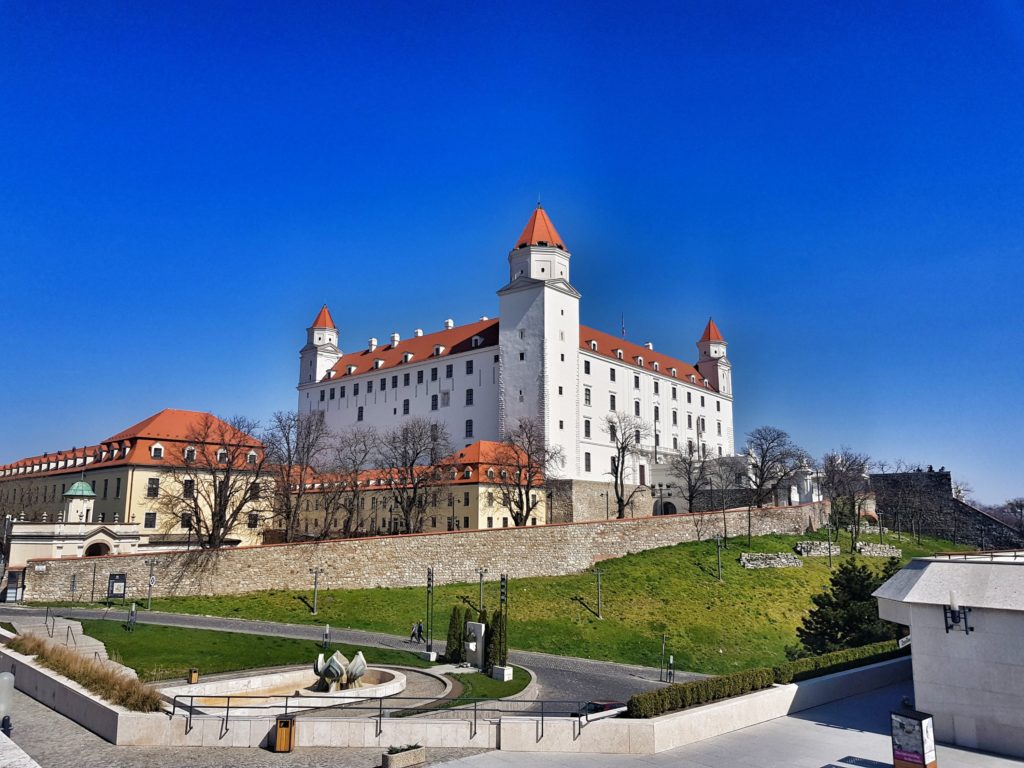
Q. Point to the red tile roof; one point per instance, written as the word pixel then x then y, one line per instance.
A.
pixel 323 319
pixel 607 344
pixel 454 340
pixel 539 231
pixel 711 332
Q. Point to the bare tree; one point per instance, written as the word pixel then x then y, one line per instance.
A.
pixel 773 458
pixel 217 484
pixel 352 453
pixel 525 461
pixel 295 444
pixel 627 434
pixel 725 473
pixel 692 472
pixel 410 462
pixel 843 479
pixel 1014 508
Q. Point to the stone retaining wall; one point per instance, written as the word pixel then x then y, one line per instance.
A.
pixel 391 561
pixel 878 550
pixel 812 548
pixel 770 560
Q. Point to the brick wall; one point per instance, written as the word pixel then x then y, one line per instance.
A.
pixel 393 561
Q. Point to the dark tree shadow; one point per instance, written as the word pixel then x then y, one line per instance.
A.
pixel 581 601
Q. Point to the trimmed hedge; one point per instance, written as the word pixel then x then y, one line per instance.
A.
pixel 837 661
pixel 697 692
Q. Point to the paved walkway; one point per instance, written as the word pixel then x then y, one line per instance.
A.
pixel 564 678
pixel 852 733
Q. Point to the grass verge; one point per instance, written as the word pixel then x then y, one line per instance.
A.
pixel 163 653
pixel 93 675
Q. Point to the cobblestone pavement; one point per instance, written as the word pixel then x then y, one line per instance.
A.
pixel 565 678
pixel 53 741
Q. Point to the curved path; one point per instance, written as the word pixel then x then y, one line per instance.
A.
pixel 565 678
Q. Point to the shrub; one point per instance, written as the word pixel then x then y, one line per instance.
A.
pixel 403 748
pixel 837 661
pixel 94 675
pixel 454 653
pixel 697 692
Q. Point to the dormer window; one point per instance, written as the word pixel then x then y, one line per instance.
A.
pixel 467 473
pixel 490 473
pixel 378 363
pixel 476 341
pixel 407 357
pixel 618 353
pixel 656 365
pixel 157 451
pixel 250 458
pixel 190 454
pixel 640 360
pixel 438 350
pixel 351 369
pixel 674 372
pixel 693 379
pixel 222 456
pixel 593 346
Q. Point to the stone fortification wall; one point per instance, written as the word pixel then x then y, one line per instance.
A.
pixel 578 501
pixel 391 561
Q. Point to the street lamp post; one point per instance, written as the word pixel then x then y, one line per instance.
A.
pixel 718 543
pixel 606 509
pixel 481 571
pixel 316 585
pixel 152 581
pixel 598 571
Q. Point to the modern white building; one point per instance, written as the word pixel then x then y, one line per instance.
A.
pixel 536 361
pixel 966 616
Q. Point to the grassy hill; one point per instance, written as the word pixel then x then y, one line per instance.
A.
pixel 746 620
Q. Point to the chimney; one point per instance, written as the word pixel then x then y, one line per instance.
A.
pixel 484 317
pixel 395 338
pixel 418 332
pixel 373 344
pixel 650 345
pixel 449 324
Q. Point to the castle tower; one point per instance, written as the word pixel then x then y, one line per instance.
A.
pixel 78 503
pixel 321 350
pixel 713 364
pixel 539 338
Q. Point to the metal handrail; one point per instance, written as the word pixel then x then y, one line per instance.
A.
pixel 991 554
pixel 70 635
pixel 47 619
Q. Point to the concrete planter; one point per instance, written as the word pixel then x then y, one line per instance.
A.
pixel 403 759
pixel 501 673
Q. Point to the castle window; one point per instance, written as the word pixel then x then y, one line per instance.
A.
pixel 719 450
pixel 117 483
pixel 153 487
pixel 586 367
pixel 611 402
pixel 419 377
pixel 656 365
pixel 149 520
pixel 593 346
pixel 467 474
pixel 359 414
pixel 405 379
pixel 469 427
pixel 689 397
pixel 673 372
pixel 446 399
pixel 675 418
pixel 674 393
pixel 718 405
pixel 636 382
pixel 222 456
pixel 693 379
pixel 675 443
pixel 561 424
pixel 719 429
pixel 188 488
pixel 522 334
pixel 433 374
pixel 656 387
pixel 323 395
pixel 394 382
pixel 586 427
pixel 469 367
pixel 332 393
pixel 369 386
pixel 469 396
pixel 433 402
pixel 689 421
pixel 618 353
pixel 383 384
pixel 586 462
pixel 157 451
pixel 253 520
pixel 250 458
pixel 490 522
pixel 448 370
pixel 355 390
pixel 612 432
pixel 522 355
pixel 586 395
pixel 405 407
pixel 611 374
pixel 702 401
pixel 559 390
pixel 186 520
pixel 636 407
pixel 657 413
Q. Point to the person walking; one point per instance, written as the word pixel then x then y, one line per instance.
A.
pixel 412 634
pixel 419 631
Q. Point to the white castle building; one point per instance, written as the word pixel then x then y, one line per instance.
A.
pixel 535 361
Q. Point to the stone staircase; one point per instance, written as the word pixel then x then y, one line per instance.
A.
pixel 68 633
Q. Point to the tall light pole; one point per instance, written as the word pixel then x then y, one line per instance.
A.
pixel 152 581
pixel 481 571
pixel 606 510
pixel 316 585
pixel 598 571
pixel 718 543
pixel 430 609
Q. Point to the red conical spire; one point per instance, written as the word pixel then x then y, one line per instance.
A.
pixel 711 332
pixel 324 319
pixel 539 231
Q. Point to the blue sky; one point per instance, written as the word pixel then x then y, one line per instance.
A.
pixel 840 185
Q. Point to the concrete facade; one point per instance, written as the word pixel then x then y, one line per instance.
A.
pixel 395 561
pixel 971 683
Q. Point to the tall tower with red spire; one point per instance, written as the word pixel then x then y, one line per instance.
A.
pixel 321 351
pixel 713 364
pixel 539 338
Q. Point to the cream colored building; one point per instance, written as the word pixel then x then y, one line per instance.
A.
pixel 133 476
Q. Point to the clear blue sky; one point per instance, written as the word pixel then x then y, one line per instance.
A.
pixel 840 185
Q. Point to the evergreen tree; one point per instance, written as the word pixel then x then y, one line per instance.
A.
pixel 496 646
pixel 845 615
pixel 454 652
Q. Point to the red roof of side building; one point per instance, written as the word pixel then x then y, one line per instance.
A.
pixel 453 340
pixel 539 231
pixel 711 332
pixel 323 319
pixel 607 344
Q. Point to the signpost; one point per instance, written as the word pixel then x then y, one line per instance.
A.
pixel 152 583
pixel 117 586
pixel 913 740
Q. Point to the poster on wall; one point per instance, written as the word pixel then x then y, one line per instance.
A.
pixel 913 740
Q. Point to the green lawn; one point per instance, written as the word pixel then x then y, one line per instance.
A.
pixel 163 653
pixel 747 620
pixel 477 685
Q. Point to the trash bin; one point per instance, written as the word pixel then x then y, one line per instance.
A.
pixel 284 736
pixel 193 675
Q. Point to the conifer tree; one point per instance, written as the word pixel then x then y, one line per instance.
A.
pixel 454 651
pixel 845 615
